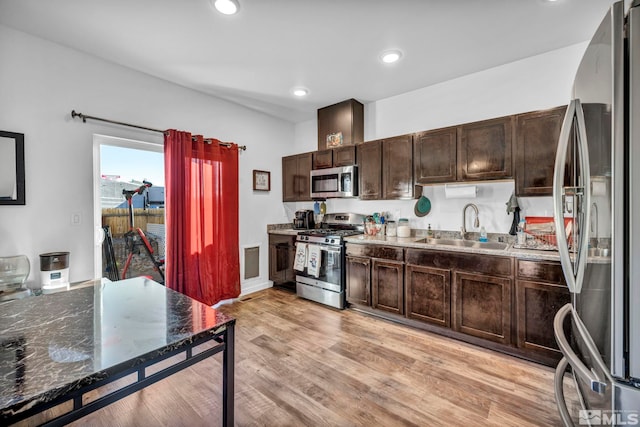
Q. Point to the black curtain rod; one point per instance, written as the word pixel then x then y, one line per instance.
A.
pixel 84 118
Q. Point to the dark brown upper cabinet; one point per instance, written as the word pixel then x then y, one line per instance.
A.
pixel 471 152
pixel 397 167
pixel 537 136
pixel 296 171
pixel 385 168
pixel 345 118
pixel 369 156
pixel 484 150
pixel 323 159
pixel 434 156
pixel 342 156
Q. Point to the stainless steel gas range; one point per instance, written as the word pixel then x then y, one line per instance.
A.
pixel 320 260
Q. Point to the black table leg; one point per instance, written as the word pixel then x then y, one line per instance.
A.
pixel 228 365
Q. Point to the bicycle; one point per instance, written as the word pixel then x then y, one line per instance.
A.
pixel 135 237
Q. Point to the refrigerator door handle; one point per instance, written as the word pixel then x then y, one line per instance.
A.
pixel 558 379
pixel 582 197
pixel 559 196
pixel 596 383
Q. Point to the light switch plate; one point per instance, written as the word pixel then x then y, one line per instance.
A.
pixel 76 218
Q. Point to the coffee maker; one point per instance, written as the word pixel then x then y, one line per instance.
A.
pixel 303 220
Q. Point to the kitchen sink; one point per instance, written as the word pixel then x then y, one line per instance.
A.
pixel 465 243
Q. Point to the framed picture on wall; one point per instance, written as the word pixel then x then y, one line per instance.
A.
pixel 11 168
pixel 261 180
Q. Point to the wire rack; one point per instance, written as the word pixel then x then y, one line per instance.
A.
pixel 542 241
pixel 542 236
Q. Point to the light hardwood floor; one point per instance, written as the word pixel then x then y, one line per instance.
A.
pixel 299 363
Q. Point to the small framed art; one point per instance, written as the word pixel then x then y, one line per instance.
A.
pixel 261 180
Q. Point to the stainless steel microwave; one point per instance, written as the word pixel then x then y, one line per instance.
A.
pixel 334 182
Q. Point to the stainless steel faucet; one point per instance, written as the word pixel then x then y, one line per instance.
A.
pixel 476 223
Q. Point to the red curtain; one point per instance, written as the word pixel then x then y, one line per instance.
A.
pixel 201 193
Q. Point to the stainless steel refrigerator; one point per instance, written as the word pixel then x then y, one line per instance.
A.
pixel 597 184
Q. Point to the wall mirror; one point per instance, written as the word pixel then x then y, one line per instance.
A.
pixel 11 168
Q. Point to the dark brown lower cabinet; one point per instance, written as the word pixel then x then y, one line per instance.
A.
pixel 282 252
pixel 358 273
pixel 538 299
pixel 482 306
pixel 490 300
pixel 387 285
pixel 428 294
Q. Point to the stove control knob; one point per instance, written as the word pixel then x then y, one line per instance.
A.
pixel 326 240
pixel 333 240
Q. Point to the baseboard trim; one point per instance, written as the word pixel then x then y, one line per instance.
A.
pixel 255 288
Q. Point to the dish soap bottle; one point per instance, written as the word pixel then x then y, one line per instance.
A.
pixel 483 235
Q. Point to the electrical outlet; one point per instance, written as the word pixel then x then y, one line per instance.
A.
pixel 76 218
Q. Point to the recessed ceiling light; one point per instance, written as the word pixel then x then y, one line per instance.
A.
pixel 300 91
pixel 227 7
pixel 391 56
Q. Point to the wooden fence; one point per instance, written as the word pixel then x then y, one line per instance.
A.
pixel 118 219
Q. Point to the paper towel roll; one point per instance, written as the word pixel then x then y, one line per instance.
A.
pixel 460 191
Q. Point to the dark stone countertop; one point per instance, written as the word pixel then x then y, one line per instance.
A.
pixel 51 344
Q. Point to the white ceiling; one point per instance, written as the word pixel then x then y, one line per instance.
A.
pixel 330 47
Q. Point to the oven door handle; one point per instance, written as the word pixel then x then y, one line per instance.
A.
pixel 323 247
pixel 328 248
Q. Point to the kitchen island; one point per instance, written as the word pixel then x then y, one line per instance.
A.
pixel 56 348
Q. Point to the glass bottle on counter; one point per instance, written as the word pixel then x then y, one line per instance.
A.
pixel 392 228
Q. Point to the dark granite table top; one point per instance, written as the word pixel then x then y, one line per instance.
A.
pixel 52 344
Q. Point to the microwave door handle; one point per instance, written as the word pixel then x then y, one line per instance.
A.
pixel 595 382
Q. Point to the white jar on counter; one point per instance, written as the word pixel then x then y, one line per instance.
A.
pixel 403 228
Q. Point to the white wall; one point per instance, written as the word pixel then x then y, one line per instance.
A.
pixel 539 82
pixel 41 82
